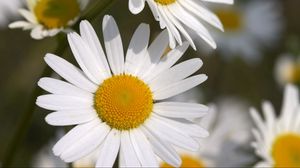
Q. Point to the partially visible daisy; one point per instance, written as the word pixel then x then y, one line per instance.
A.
pixel 227 144
pixel 48 17
pixel 287 69
pixel 249 27
pixel 277 139
pixel 118 104
pixel 7 9
pixel 181 16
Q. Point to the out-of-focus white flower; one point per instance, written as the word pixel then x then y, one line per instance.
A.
pixel 8 8
pixel 180 16
pixel 277 139
pixel 249 27
pixel 287 69
pixel 46 18
pixel 118 103
pixel 227 146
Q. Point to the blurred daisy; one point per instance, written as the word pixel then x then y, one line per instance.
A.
pixel 287 70
pixel 178 16
pixel 48 17
pixel 249 28
pixel 227 145
pixel 7 8
pixel 278 139
pixel 118 104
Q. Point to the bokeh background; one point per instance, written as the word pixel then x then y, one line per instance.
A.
pixel 244 77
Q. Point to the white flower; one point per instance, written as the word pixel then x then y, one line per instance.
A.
pixel 287 69
pixel 229 137
pixel 46 18
pixel 7 9
pixel 249 27
pixel 118 104
pixel 277 139
pixel 178 16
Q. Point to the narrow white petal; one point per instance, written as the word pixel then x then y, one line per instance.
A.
pixel 180 110
pixel 179 87
pixel 220 1
pixel 290 103
pixel 113 45
pixel 37 32
pixel 85 145
pixel 136 6
pixel 28 15
pixel 61 102
pixel 257 119
pixel 143 149
pixel 127 152
pixel 21 24
pixel 109 149
pixel 70 72
pixel 71 117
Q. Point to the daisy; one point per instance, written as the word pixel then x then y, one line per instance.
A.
pixel 249 27
pixel 117 104
pixel 228 142
pixel 178 16
pixel 277 140
pixel 287 69
pixel 46 18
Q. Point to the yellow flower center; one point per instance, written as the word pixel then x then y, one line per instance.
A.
pixel 187 162
pixel 293 73
pixel 56 13
pixel 165 2
pixel 123 102
pixel 232 19
pixel 286 150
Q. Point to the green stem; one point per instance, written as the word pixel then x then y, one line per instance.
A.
pixel 25 120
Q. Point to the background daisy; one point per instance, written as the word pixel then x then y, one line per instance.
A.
pixel 48 17
pixel 118 104
pixel 277 139
pixel 178 16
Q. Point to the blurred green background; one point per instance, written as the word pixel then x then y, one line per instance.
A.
pixel 21 60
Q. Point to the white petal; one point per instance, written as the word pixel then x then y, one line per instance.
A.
pixel 290 103
pixel 136 6
pixel 179 87
pixel 113 45
pixel 137 49
pixel 127 153
pixel 257 119
pixel 143 149
pixel 220 1
pixel 109 149
pixel 180 110
pixel 28 15
pixel 89 35
pixel 59 87
pixel 85 145
pixel 163 149
pixel 37 33
pixel 73 136
pixel 70 72
pixel 71 117
pixel 175 74
pixel 21 24
pixel 61 102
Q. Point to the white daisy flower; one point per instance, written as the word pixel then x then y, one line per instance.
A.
pixel 7 9
pixel 278 138
pixel 118 104
pixel 178 16
pixel 229 137
pixel 249 27
pixel 46 18
pixel 287 69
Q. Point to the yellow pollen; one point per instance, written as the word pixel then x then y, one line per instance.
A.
pixel 56 13
pixel 286 150
pixel 187 162
pixel 165 2
pixel 124 102
pixel 232 19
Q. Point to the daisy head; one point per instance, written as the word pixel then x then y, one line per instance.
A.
pixel 249 27
pixel 287 69
pixel 46 18
pixel 277 139
pixel 180 17
pixel 118 103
